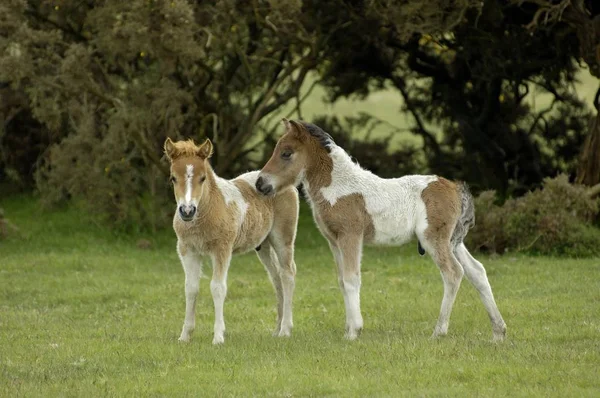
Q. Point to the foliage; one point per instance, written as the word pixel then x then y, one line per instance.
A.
pixel 96 316
pixel 6 226
pixel 554 220
pixel 108 81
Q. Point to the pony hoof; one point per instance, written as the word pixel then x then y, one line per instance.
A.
pixel 499 332
pixel 500 336
pixel 284 333
pixel 352 334
pixel 218 340
pixel 184 339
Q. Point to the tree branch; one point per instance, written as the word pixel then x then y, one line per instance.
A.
pixel 428 137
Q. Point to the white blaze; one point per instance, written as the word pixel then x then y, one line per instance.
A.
pixel 189 175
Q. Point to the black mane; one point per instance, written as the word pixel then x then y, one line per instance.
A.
pixel 324 138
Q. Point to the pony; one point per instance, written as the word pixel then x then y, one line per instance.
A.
pixel 216 218
pixel 352 206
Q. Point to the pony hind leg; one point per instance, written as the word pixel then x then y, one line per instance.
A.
pixel 282 238
pixel 475 273
pixel 452 273
pixel 287 273
pixel 268 258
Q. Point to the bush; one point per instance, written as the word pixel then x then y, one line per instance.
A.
pixel 6 227
pixel 108 178
pixel 555 220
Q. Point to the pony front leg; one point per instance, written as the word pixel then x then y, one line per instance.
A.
pixel 350 251
pixel 218 289
pixel 192 267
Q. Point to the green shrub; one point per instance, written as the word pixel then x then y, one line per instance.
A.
pixel 557 220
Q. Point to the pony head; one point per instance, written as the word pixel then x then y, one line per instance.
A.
pixel 296 151
pixel 189 171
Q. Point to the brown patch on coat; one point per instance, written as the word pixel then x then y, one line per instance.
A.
pixel 348 216
pixel 443 205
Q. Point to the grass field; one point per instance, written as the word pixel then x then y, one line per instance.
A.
pixel 84 312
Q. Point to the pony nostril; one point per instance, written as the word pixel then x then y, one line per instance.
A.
pixel 262 187
pixel 192 210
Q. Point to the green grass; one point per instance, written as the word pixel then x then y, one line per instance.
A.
pixel 84 312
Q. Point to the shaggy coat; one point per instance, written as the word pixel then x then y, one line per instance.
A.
pixel 352 206
pixel 216 218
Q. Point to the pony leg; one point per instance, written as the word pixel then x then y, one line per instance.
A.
pixel 337 256
pixel 192 267
pixel 452 273
pixel 218 288
pixel 267 256
pixel 287 271
pixel 350 247
pixel 476 274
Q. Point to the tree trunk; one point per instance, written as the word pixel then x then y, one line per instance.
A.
pixel 588 171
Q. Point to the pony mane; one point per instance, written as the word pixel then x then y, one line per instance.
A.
pixel 184 148
pixel 324 138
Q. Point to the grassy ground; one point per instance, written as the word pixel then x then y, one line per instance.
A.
pixel 84 312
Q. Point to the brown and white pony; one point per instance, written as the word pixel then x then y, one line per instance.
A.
pixel 216 218
pixel 351 206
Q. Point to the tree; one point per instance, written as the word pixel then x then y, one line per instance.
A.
pixel 582 16
pixel 110 80
pixel 473 81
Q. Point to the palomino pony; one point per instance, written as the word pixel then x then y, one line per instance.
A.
pixel 352 206
pixel 217 218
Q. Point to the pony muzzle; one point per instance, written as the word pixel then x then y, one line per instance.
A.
pixel 187 212
pixel 264 186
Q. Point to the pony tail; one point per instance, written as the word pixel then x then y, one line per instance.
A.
pixel 466 220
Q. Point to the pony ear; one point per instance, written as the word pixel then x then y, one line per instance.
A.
pixel 205 150
pixel 169 148
pixel 294 128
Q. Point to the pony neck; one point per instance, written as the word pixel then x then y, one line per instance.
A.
pixel 319 173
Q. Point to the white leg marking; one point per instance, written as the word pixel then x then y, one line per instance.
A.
pixel 476 274
pixel 218 288
pixel 350 249
pixel 352 286
pixel 193 268
pixel 337 256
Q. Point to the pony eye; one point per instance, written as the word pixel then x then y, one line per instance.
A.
pixel 173 180
pixel 202 179
pixel 286 155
